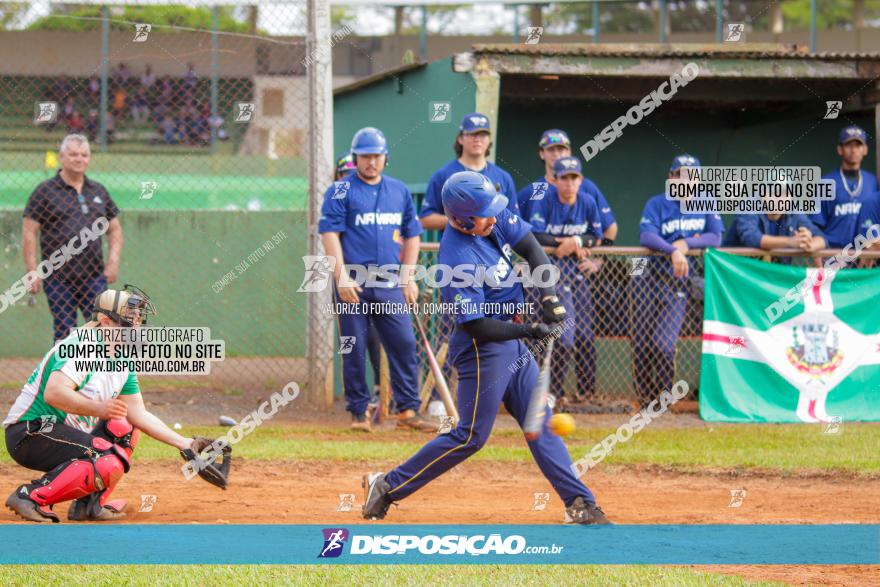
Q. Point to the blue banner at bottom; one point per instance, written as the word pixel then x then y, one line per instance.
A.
pixel 843 544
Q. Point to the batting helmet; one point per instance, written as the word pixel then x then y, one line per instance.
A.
pixel 468 194
pixel 369 141
pixel 123 307
pixel 344 163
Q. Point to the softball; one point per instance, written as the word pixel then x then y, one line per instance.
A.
pixel 562 424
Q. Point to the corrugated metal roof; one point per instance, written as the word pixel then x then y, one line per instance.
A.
pixel 770 51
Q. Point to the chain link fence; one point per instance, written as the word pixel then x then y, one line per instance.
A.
pixel 197 180
pixel 636 329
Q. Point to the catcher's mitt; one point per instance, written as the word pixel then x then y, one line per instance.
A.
pixel 215 467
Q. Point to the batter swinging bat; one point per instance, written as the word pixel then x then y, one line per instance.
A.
pixel 538 403
pixel 438 374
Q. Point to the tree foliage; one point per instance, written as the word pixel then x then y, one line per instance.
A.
pixel 162 18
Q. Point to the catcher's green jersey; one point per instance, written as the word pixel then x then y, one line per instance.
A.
pixel 95 385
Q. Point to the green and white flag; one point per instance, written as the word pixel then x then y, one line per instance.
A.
pixel 789 344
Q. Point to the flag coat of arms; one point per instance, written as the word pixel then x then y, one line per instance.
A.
pixel 789 344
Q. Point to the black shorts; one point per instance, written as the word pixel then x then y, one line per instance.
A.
pixel 37 445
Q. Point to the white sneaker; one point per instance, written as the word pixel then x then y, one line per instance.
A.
pixel 436 409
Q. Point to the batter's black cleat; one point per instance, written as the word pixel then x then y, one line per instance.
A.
pixel 584 512
pixel 376 501
pixel 21 503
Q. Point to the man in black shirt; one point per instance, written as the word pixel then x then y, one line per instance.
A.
pixel 64 210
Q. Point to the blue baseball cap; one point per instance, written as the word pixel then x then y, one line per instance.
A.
pixel 567 166
pixel 852 133
pixel 474 123
pixel 554 136
pixel 684 161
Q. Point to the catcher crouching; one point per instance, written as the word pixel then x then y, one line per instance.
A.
pixel 81 427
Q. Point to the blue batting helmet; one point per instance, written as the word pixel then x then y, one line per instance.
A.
pixel 369 141
pixel 467 194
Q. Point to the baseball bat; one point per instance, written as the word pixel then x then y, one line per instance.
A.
pixel 538 403
pixel 428 386
pixel 439 379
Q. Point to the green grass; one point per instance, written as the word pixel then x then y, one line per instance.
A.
pixel 345 575
pixel 781 448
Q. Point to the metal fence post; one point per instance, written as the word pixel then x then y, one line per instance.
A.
pixel 215 23
pixel 105 66
pixel 719 21
pixel 320 332
pixel 596 22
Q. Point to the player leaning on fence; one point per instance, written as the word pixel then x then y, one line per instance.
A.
pixel 81 427
pixel 658 297
pixel 369 219
pixel 59 209
pixel 567 218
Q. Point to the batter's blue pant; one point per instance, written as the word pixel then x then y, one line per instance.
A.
pixel 577 344
pixel 485 379
pixel 396 335
pixel 65 297
pixel 657 308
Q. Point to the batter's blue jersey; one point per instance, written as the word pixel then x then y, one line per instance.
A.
pixel 663 217
pixel 492 253
pixel 432 204
pixel 838 218
pixel 372 220
pixel 747 229
pixel 588 189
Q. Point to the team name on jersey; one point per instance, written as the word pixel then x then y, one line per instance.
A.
pixel 682 224
pixel 847 209
pixel 568 228
pixel 382 218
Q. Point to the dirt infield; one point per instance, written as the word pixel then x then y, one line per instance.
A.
pixel 485 492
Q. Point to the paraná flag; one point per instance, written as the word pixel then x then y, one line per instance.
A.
pixel 811 357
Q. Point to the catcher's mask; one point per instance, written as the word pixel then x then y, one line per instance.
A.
pixel 127 307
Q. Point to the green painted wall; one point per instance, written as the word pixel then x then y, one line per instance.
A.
pixel 400 106
pixel 177 258
pixel 634 167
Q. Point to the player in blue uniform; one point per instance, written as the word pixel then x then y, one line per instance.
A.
pixel 483 233
pixel 553 145
pixel 853 188
pixel 658 297
pixel 345 166
pixel 472 147
pixel 368 219
pixel 567 218
pixel 774 231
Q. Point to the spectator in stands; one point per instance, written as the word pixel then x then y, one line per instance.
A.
pixel 190 79
pixel 168 130
pixel 75 124
pixel 93 92
pixel 215 122
pixel 59 209
pixel 117 105
pixel 93 125
pixel 140 106
pixel 68 109
pixel 121 75
pixel 148 78
pixel 111 127
pixel 61 90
